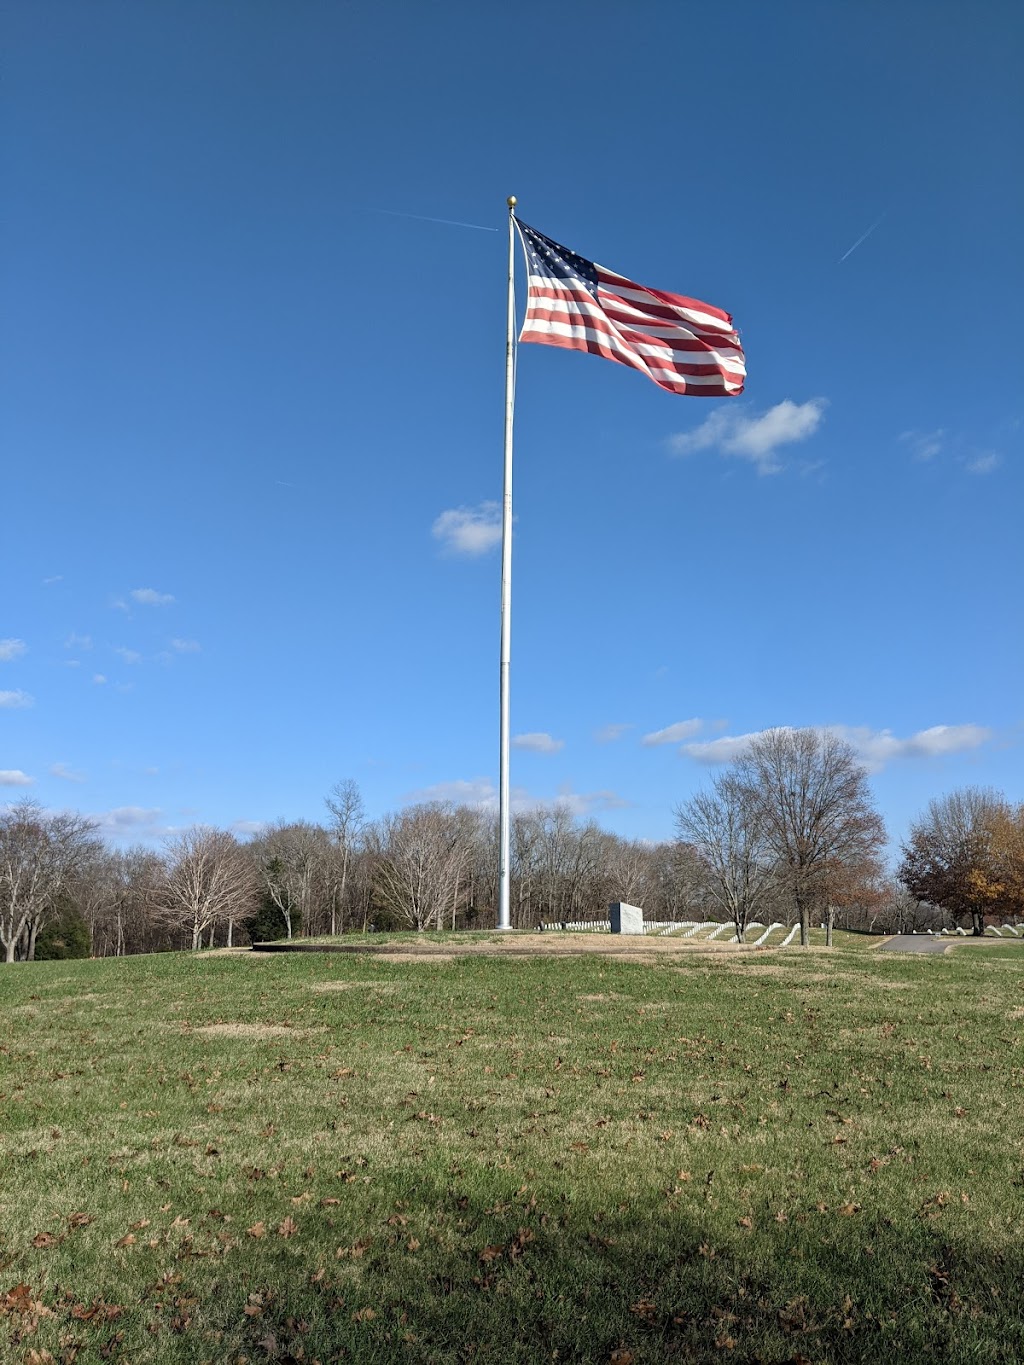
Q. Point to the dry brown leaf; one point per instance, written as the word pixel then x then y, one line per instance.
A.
pixel 257 1230
pixel 847 1209
pixel 44 1239
pixel 287 1228
pixel 128 1240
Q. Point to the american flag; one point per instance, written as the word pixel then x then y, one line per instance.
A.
pixel 684 345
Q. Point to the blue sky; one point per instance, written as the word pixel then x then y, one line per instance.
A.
pixel 252 422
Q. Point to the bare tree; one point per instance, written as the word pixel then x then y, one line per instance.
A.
pixel 348 817
pixel 626 868
pixel 209 880
pixel 815 808
pixel 294 862
pixel 39 854
pixel 726 826
pixel 422 857
pixel 675 885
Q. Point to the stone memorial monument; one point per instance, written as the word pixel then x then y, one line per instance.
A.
pixel 625 919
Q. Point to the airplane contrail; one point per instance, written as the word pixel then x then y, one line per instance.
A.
pixel 451 222
pixel 863 238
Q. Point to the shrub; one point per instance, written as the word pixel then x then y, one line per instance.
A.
pixel 66 936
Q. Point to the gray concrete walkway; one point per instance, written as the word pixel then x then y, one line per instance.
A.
pixel 915 943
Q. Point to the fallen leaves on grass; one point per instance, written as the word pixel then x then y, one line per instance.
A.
pixel 257 1230
pixel 97 1311
pixel 287 1228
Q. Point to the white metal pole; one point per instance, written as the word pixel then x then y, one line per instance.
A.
pixel 504 830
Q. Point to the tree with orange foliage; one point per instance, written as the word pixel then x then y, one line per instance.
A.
pixel 951 858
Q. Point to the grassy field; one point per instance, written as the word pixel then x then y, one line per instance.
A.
pixel 801 1156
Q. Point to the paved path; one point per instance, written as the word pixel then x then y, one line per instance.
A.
pixel 915 943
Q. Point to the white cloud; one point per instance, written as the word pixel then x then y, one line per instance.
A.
pixel 924 445
pixel 149 597
pixel 130 656
pixel 469 530
pixel 67 774
pixel 132 822
pixel 55 578
pixel 608 734
pixel 586 803
pixel 99 678
pixel 186 646
pixel 16 701
pixel 477 791
pixel 248 826
pixel 538 743
pixel 875 748
pixel 753 438
pixel 11 649
pixel 483 794
pixel 14 777
pixel 722 750
pixel 879 747
pixel 76 641
pixel 985 463
pixel 672 734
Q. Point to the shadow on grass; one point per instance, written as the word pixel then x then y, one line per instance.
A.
pixel 503 1274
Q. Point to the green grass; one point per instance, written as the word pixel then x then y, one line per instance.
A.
pixel 760 1157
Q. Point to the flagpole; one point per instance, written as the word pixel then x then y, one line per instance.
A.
pixel 504 830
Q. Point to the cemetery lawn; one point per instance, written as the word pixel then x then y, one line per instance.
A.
pixel 799 1156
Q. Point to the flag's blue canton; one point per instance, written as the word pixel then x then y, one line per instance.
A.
pixel 546 257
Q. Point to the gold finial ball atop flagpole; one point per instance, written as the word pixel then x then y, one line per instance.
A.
pixel 511 201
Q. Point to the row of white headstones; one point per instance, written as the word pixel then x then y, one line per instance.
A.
pixel 707 930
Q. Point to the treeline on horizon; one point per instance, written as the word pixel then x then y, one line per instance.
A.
pixel 787 833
